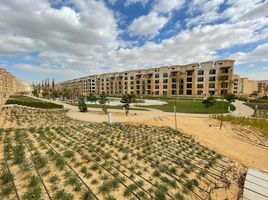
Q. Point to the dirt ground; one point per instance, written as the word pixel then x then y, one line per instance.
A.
pixel 225 141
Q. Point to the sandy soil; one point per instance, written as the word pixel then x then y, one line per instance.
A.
pixel 223 141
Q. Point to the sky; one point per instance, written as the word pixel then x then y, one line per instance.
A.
pixel 66 39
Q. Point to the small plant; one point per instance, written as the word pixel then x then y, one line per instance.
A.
pixel 87 196
pixel 62 195
pixel 33 193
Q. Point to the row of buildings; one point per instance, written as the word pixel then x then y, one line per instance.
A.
pixel 206 78
pixel 9 85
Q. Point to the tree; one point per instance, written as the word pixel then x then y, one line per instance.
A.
pixel 55 94
pixel 127 100
pixel 91 97
pixel 103 100
pixel 81 104
pixel 209 102
pixel 229 97
pixel 66 94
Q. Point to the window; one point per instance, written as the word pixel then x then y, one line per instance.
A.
pixel 132 77
pixel 189 85
pixel 156 75
pixel 165 75
pixel 199 85
pixel 137 82
pixel 173 86
pixel 156 81
pixel 148 81
pixel 211 85
pixel 189 73
pixel 174 80
pixel 156 86
pixel 165 86
pixel 212 78
pixel 156 93
pixel 199 92
pixel 165 93
pixel 200 79
pixel 224 85
pixel 200 72
pixel 189 79
pixel 189 92
pixel 126 77
pixel 224 70
pixel 212 71
pixel 165 81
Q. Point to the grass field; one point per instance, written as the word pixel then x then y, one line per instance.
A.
pixel 32 102
pixel 45 155
pixel 191 106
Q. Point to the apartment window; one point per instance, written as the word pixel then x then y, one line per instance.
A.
pixel 189 85
pixel 212 78
pixel 132 77
pixel 137 82
pixel 165 75
pixel 212 92
pixel 148 81
pixel 189 92
pixel 189 73
pixel 200 79
pixel 199 92
pixel 126 78
pixel 165 93
pixel 156 75
pixel 189 79
pixel 224 70
pixel 132 87
pixel 131 82
pixel 156 81
pixel 156 93
pixel 174 80
pixel 211 85
pixel 199 85
pixel 200 72
pixel 148 87
pixel 224 85
pixel 156 86
pixel 173 86
pixel 165 86
pixel 148 92
pixel 212 71
pixel 165 81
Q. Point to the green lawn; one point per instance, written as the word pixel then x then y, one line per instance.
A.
pixel 190 106
pixel 31 102
pixel 107 106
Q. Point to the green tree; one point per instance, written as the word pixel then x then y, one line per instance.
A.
pixel 91 97
pixel 81 104
pixel 209 102
pixel 229 97
pixel 103 101
pixel 127 100
pixel 55 94
pixel 66 94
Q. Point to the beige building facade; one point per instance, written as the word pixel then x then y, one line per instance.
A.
pixel 206 78
pixel 244 87
pixel 9 85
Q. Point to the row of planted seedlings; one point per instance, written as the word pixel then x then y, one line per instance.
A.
pixel 186 169
pixel 65 180
pixel 20 117
pixel 164 185
pixel 131 188
pixel 23 174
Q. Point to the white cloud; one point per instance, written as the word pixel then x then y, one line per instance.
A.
pixel 166 6
pixel 259 54
pixel 131 2
pixel 147 24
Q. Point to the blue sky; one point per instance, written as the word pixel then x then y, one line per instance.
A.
pixel 67 39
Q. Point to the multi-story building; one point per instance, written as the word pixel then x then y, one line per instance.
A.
pixel 263 88
pixel 244 87
pixel 206 78
pixel 9 85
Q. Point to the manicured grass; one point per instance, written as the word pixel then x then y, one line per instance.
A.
pixel 32 102
pixel 190 106
pixel 107 106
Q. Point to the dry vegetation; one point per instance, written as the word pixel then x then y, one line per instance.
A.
pixel 46 155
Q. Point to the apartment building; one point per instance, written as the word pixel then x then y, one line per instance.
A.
pixel 243 86
pixel 206 78
pixel 263 88
pixel 9 85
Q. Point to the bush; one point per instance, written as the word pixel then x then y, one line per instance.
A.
pixel 62 195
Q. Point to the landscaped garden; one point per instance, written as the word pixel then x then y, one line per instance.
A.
pixel 32 102
pixel 46 155
pixel 192 106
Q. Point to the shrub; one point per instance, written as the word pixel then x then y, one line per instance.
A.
pixel 62 195
pixel 87 196
pixel 33 193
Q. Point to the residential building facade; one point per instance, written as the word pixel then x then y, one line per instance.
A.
pixel 244 87
pixel 9 85
pixel 206 78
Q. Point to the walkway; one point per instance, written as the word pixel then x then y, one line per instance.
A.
pixel 242 110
